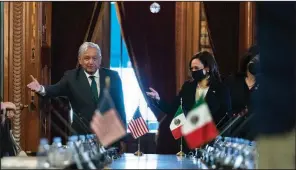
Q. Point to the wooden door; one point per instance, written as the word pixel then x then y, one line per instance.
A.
pixel 23 50
pixel 45 11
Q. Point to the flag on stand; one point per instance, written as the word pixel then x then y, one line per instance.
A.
pixel 106 123
pixel 177 122
pixel 137 125
pixel 199 127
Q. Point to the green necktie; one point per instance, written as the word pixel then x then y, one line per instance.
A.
pixel 94 89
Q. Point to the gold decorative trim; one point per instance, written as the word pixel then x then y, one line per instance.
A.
pixel 17 57
pixel 205 44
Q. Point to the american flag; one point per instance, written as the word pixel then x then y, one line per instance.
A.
pixel 137 125
pixel 106 123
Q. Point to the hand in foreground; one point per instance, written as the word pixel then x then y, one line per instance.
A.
pixel 8 106
pixel 153 94
pixel 34 85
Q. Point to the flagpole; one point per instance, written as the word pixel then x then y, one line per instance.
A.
pixel 181 153
pixel 139 153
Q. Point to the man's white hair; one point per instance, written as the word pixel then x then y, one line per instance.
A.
pixel 87 45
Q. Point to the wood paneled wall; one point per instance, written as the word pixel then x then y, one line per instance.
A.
pixel 23 28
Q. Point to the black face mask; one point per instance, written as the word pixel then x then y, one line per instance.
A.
pixel 198 75
pixel 254 66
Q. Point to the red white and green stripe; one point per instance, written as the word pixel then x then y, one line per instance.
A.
pixel 177 122
pixel 199 127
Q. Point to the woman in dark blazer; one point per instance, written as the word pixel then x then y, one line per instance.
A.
pixel 205 82
pixel 243 87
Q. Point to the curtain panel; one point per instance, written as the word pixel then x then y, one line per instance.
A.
pixel 223 28
pixel 150 40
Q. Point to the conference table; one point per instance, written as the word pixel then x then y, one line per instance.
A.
pixel 126 161
pixel 155 161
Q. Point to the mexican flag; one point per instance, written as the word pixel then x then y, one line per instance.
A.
pixel 199 127
pixel 177 122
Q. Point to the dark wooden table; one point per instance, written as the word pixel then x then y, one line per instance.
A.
pixel 155 161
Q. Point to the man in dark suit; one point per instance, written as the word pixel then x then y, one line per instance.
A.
pixel 84 87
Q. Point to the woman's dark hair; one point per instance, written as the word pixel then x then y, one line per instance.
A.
pixel 6 140
pixel 252 52
pixel 208 60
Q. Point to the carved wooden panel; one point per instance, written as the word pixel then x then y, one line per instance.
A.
pixel 45 12
pixel 22 45
pixel 205 44
pixel 14 35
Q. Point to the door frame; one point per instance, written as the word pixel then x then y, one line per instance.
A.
pixel 21 59
pixel 1 49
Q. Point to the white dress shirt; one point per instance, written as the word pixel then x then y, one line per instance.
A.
pixel 201 92
pixel 97 79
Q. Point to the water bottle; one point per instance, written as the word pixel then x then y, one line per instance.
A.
pixel 236 142
pixel 228 157
pixel 55 152
pixel 87 137
pixel 82 138
pixel 43 150
pixel 69 151
pixel 90 145
pixel 74 138
pixel 72 147
pixel 72 143
pixel 226 141
pixel 212 162
pixel 83 146
pixel 249 161
pixel 57 143
pixel 93 141
pixel 43 147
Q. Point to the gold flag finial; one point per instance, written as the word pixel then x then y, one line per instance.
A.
pixel 107 82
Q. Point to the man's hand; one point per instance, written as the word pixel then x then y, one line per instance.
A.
pixel 8 106
pixel 34 85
